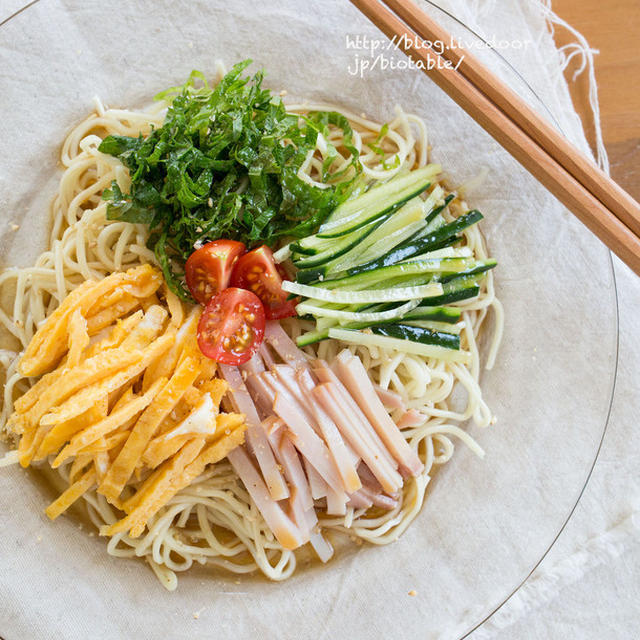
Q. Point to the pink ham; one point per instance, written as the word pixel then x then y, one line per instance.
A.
pixel 389 399
pixel 266 356
pixel 290 461
pixel 379 499
pixel 354 376
pixel 321 546
pixel 255 365
pixel 319 488
pixel 256 438
pixel 283 379
pixel 261 393
pixel 286 532
pixel 359 500
pixel 284 346
pixel 343 455
pixel 350 428
pixel 326 374
pixel 336 503
pixel 411 418
pixel 307 441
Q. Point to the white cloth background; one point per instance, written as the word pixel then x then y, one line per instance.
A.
pixel 588 586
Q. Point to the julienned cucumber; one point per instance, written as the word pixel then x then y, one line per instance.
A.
pixel 434 212
pixel 381 269
pixel 338 315
pixel 337 247
pixel 439 315
pixel 396 228
pixel 373 295
pixel 359 247
pixel 336 254
pixel 447 335
pixel 479 267
pixel 450 315
pixel 455 291
pixel 417 334
pixel 388 197
pixel 399 344
pixel 440 237
pixel 385 274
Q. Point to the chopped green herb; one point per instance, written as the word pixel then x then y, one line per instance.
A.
pixel 225 164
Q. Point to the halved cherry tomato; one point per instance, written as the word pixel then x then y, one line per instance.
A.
pixel 257 272
pixel 231 327
pixel 208 269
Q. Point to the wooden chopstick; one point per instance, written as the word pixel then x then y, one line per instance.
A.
pixel 518 142
pixel 612 196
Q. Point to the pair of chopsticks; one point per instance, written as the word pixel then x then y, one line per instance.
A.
pixel 589 193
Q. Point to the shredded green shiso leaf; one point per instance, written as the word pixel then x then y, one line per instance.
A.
pixel 224 165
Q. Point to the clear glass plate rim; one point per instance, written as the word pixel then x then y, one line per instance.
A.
pixel 613 381
pixel 617 339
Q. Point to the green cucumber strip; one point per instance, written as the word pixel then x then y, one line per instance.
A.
pixel 306 308
pixel 399 344
pixel 441 237
pixel 404 270
pixel 339 246
pixel 480 267
pixel 450 315
pixel 444 252
pixel 434 326
pixel 434 212
pixel 384 198
pixel 395 229
pixel 355 297
pixel 438 317
pixel 417 334
pixel 312 336
pixel 282 254
pixel 454 291
pixel 298 250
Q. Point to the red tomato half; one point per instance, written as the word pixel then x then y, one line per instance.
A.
pixel 208 269
pixel 257 272
pixel 231 327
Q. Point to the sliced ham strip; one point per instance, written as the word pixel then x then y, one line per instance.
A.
pixel 336 503
pixel 354 376
pixel 262 394
pixel 321 546
pixel 389 399
pixel 319 488
pixel 290 461
pixel 368 479
pixel 256 437
pixel 379 499
pixel 286 532
pixel 298 515
pixel 307 441
pixel 359 500
pixel 300 499
pixel 283 380
pixel 284 346
pixel 266 356
pixel 333 403
pixel 411 418
pixel 327 374
pixel 255 365
pixel 343 455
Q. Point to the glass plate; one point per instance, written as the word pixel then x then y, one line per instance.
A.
pixel 486 523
